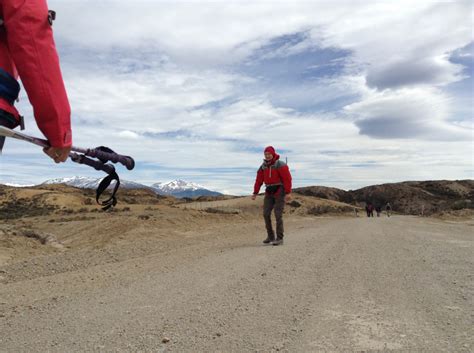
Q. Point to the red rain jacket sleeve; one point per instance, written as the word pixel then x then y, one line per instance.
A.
pixel 32 48
pixel 286 178
pixel 258 182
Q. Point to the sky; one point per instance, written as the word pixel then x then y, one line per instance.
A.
pixel 351 93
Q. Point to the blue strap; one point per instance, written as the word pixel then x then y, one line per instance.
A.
pixel 9 87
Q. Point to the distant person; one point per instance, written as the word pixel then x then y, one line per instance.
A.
pixel 27 50
pixel 388 209
pixel 277 178
pixel 369 208
pixel 378 209
pixel 356 211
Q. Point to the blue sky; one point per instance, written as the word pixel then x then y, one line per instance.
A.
pixel 352 93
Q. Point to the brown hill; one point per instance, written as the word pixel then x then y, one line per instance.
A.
pixel 47 199
pixel 324 192
pixel 410 197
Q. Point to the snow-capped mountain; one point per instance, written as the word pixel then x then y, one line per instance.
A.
pixel 176 188
pixel 176 185
pixel 181 188
pixel 92 183
pixel 18 185
pixel 78 182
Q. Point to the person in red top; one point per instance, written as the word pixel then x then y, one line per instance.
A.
pixel 27 50
pixel 277 178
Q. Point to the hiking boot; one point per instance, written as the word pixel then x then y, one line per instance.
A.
pixel 279 241
pixel 268 240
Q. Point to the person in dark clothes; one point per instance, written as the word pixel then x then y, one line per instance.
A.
pixel 369 208
pixel 378 209
pixel 388 209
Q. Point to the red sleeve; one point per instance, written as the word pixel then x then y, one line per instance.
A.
pixel 285 178
pixel 258 182
pixel 31 44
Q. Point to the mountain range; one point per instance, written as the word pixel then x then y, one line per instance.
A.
pixel 408 197
pixel 177 188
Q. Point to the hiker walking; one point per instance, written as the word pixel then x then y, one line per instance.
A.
pixel 388 209
pixel 277 178
pixel 369 208
pixel 378 209
pixel 27 50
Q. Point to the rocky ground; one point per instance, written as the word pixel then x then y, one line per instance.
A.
pixel 179 278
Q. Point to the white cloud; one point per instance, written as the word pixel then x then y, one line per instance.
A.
pixel 129 135
pixel 406 113
pixel 436 70
pixel 406 36
pixel 210 32
pixel 168 75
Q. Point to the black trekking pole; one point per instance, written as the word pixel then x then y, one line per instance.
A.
pixel 102 153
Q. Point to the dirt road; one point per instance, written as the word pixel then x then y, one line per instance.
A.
pixel 338 284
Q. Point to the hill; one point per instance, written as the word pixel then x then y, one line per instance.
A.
pixel 409 197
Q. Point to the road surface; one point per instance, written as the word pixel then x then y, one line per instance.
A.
pixel 338 284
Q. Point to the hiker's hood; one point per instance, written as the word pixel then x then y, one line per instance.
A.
pixel 275 155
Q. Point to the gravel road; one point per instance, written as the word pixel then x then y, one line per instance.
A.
pixel 338 284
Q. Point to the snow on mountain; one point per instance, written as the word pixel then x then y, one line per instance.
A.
pixel 177 185
pixel 181 188
pixel 177 188
pixel 79 182
pixel 92 183
pixel 18 185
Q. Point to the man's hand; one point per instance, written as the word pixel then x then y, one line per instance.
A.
pixel 288 197
pixel 254 197
pixel 58 154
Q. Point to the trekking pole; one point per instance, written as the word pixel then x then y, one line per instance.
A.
pixel 103 154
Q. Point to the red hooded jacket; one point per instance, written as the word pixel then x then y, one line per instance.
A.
pixel 273 172
pixel 27 50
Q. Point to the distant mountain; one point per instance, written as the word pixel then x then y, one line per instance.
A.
pixel 180 188
pixel 91 183
pixel 324 192
pixel 18 185
pixel 409 197
pixel 176 188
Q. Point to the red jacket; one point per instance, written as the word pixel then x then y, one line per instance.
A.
pixel 27 50
pixel 275 172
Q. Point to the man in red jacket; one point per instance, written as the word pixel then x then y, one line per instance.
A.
pixel 27 50
pixel 277 178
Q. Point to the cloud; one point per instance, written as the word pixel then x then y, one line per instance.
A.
pixel 128 135
pixel 408 113
pixel 280 53
pixel 413 40
pixel 425 71
pixel 203 87
pixel 190 33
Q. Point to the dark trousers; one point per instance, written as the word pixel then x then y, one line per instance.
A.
pixel 274 202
